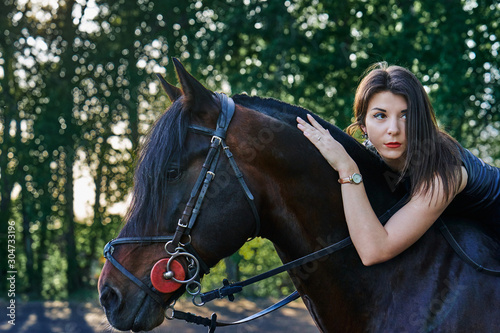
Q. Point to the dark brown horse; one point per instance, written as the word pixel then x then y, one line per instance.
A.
pixel 298 200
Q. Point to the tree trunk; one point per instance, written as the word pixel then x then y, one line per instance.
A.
pixel 70 137
pixel 28 241
pixel 6 177
pixel 73 272
pixel 96 227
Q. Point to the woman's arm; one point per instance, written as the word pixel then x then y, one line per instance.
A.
pixel 374 242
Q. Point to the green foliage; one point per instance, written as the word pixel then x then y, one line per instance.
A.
pixel 255 257
pixel 78 93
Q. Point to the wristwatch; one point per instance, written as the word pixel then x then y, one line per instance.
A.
pixel 355 178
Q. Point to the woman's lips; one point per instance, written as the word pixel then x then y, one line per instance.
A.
pixel 393 145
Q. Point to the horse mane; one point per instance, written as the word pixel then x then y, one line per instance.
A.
pixel 288 113
pixel 382 184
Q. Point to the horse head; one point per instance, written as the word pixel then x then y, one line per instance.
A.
pixel 263 179
pixel 169 165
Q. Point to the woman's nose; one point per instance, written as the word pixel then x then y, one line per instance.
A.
pixel 394 127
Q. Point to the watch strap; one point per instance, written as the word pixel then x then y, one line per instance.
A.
pixel 346 180
pixel 350 179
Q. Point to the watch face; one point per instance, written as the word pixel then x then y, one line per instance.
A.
pixel 356 178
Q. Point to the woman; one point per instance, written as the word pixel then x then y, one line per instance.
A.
pixel 394 112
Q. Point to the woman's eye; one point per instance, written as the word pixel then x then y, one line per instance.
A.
pixel 379 116
pixel 403 115
pixel 173 174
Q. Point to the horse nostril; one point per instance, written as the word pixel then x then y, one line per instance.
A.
pixel 109 298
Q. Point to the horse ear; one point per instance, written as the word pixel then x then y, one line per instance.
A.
pixel 195 93
pixel 172 92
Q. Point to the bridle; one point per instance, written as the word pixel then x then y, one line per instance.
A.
pixel 179 245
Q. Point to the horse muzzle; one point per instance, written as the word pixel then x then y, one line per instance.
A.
pixel 181 267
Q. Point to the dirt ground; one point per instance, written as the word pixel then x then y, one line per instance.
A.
pixel 68 317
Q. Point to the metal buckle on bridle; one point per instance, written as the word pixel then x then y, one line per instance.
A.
pixel 180 224
pixel 215 137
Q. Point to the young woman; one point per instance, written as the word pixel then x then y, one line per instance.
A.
pixel 394 112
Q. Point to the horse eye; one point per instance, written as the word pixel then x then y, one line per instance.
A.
pixel 173 174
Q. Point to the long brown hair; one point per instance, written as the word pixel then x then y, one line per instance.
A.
pixel 430 151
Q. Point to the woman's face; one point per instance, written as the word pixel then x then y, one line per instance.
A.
pixel 385 124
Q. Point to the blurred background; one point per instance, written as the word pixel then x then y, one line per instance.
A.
pixel 78 92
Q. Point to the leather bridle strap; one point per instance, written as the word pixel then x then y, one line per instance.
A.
pixel 207 173
pixel 191 210
pixel 225 117
pixel 230 289
pixel 248 194
pixel 212 322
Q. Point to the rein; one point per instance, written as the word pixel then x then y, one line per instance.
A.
pixel 461 252
pixel 230 289
pixel 179 244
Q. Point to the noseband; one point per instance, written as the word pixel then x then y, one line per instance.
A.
pixel 179 246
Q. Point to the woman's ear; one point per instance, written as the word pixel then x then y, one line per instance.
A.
pixel 363 128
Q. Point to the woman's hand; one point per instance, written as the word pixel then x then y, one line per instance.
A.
pixel 331 149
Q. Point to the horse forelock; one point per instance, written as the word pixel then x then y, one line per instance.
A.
pixel 161 150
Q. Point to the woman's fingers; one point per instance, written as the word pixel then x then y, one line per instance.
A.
pixel 313 130
pixel 314 123
pixel 331 149
pixel 309 125
pixel 304 123
pixel 305 127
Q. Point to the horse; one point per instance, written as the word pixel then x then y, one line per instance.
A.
pixel 271 182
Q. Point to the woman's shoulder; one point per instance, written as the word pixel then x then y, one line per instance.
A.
pixel 476 167
pixel 481 189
